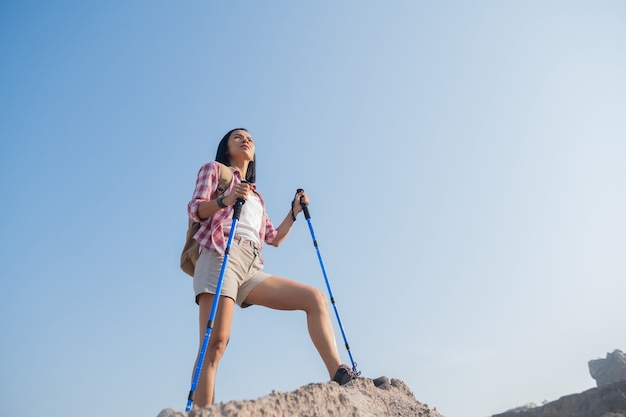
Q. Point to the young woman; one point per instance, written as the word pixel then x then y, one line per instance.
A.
pixel 245 283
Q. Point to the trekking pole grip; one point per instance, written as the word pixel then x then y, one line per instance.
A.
pixel 237 208
pixel 305 208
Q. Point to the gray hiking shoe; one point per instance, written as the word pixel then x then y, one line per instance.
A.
pixel 382 382
pixel 344 375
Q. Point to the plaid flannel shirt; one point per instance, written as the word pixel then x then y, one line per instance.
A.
pixel 211 233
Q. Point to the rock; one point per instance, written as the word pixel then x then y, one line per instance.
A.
pixel 606 401
pixel 609 370
pixel 170 412
pixel 358 398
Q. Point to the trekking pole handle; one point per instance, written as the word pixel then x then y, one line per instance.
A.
pixel 305 208
pixel 237 208
pixel 238 204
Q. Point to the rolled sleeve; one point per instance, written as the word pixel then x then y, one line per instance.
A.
pixel 208 177
pixel 270 231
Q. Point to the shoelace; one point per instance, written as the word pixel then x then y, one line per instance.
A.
pixel 351 372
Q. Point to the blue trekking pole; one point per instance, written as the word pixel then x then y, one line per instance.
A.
pixel 216 299
pixel 307 215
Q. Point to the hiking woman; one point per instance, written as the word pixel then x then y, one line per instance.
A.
pixel 245 283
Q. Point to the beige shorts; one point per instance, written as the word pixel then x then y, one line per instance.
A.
pixel 243 271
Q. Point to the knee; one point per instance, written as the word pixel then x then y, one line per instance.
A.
pixel 217 347
pixel 317 300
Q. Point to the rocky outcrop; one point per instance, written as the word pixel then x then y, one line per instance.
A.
pixel 358 398
pixel 609 370
pixel 605 401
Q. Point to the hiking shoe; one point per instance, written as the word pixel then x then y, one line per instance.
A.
pixel 382 382
pixel 344 375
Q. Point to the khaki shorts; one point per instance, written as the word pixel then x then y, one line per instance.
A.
pixel 243 271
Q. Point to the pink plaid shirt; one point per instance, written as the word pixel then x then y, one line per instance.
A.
pixel 211 233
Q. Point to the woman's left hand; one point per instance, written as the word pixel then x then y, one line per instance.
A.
pixel 299 199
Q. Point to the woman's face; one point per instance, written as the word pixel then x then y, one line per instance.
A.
pixel 241 145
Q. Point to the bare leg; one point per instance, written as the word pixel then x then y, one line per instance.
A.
pixel 283 294
pixel 217 344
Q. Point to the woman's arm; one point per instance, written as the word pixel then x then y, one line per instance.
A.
pixel 286 225
pixel 201 193
pixel 283 230
pixel 207 209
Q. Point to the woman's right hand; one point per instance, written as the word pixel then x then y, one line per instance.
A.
pixel 240 190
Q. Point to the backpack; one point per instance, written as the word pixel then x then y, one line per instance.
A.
pixel 191 250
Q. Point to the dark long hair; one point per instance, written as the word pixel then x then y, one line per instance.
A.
pixel 222 156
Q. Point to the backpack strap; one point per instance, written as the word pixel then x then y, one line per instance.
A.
pixel 226 178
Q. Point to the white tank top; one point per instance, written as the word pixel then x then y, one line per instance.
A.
pixel 250 220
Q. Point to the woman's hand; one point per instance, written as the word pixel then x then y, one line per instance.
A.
pixel 299 199
pixel 240 190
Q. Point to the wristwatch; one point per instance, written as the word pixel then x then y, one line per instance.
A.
pixel 220 202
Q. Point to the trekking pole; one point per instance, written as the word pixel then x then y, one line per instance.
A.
pixel 216 299
pixel 307 215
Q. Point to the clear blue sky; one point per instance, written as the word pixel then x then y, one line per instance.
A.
pixel 465 163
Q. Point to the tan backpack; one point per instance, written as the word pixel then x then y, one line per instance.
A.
pixel 191 250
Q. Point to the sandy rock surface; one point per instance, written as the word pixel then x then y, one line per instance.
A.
pixel 359 398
